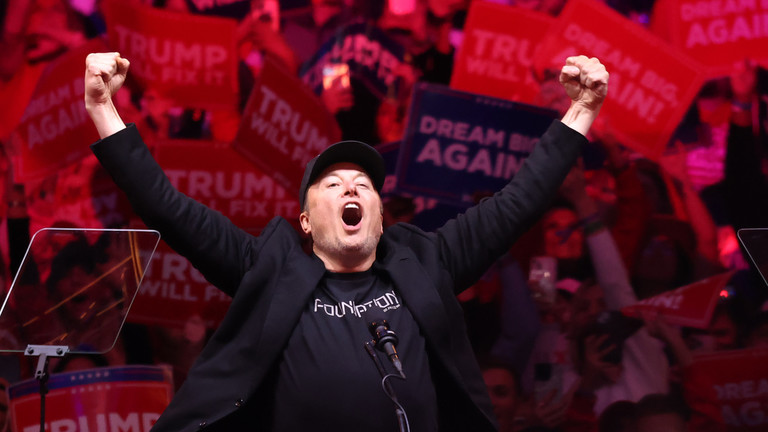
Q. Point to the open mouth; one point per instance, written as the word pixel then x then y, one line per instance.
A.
pixel 351 214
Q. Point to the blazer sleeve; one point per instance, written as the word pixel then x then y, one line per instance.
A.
pixel 471 243
pixel 210 241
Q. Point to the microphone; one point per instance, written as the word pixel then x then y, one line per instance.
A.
pixel 385 340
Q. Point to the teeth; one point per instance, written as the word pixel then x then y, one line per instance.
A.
pixel 351 214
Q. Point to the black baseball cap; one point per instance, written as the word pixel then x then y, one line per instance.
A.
pixel 355 152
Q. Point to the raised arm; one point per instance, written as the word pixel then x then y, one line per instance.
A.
pixel 212 243
pixel 586 82
pixel 104 75
pixel 474 240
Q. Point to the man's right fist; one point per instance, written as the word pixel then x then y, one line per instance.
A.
pixel 104 75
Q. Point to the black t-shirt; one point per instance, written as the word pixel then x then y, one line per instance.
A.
pixel 328 381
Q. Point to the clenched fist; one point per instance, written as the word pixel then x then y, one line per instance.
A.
pixel 104 75
pixel 586 82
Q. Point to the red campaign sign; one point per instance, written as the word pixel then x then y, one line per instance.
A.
pixel 195 68
pixel 651 83
pixel 174 294
pixel 284 126
pixel 717 33
pixel 219 177
pixel 496 57
pixel 117 398
pixel 55 130
pixel 690 306
pixel 728 391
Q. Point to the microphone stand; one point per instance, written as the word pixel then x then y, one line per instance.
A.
pixel 402 420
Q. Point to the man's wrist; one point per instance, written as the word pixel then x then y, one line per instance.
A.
pixel 579 118
pixel 592 224
pixel 106 119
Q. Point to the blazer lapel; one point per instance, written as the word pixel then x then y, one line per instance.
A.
pixel 288 302
pixel 423 301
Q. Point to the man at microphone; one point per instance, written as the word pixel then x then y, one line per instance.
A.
pixel 289 355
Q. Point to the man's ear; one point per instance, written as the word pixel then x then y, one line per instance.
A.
pixel 304 222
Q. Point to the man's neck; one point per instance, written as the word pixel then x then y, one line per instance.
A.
pixel 347 263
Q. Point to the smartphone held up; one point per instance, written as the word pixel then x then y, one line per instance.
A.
pixel 542 278
pixel 336 74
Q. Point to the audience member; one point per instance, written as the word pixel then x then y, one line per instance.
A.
pixel 504 389
pixel 642 367
pixel 620 416
pixel 661 413
pixel 745 181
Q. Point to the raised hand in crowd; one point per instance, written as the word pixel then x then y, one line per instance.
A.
pixel 620 195
pixel 693 210
pixel 643 365
pixel 595 370
pixel 257 31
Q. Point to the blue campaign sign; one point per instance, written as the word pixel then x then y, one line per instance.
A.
pixel 458 145
pixel 429 214
pixel 371 55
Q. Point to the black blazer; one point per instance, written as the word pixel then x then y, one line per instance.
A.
pixel 271 280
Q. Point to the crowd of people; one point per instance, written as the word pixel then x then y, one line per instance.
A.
pixel 555 350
